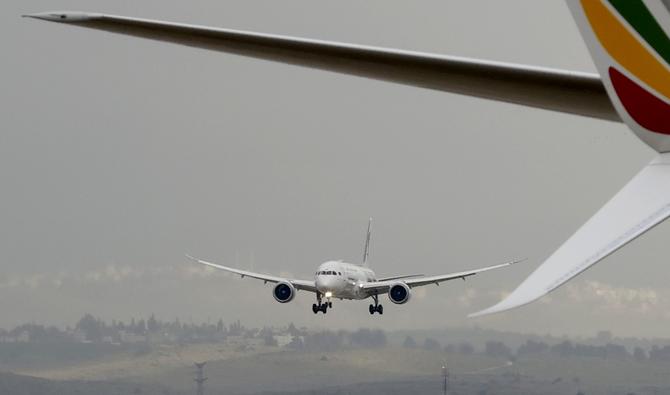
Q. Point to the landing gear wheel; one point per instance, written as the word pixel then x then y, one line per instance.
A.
pixel 376 308
pixel 324 308
pixel 330 305
pixel 315 308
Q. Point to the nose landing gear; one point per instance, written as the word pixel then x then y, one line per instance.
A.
pixel 376 308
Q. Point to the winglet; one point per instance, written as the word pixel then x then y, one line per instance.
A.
pixel 64 16
pixel 506 304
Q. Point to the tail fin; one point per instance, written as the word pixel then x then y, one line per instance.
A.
pixel 366 251
pixel 630 45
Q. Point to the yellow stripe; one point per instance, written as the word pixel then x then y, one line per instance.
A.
pixel 625 48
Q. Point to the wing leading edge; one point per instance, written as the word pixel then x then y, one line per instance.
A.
pixel 304 285
pixel 642 204
pixel 551 89
pixel 418 281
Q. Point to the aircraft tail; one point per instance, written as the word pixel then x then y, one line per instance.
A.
pixel 366 250
pixel 630 45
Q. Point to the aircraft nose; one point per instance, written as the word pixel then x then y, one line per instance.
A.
pixel 325 283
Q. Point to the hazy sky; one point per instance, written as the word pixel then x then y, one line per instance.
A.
pixel 119 155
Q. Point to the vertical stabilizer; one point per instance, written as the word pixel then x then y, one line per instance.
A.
pixel 629 42
pixel 366 251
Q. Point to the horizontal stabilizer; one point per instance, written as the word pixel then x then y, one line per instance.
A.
pixel 639 206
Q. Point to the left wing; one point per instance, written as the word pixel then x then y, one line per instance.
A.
pixel 399 277
pixel 304 285
pixel 383 286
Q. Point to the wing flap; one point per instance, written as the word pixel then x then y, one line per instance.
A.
pixel 557 90
pixel 642 204
pixel 399 277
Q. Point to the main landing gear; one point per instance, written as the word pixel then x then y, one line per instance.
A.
pixel 376 308
pixel 322 307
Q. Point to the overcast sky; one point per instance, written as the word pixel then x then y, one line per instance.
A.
pixel 119 155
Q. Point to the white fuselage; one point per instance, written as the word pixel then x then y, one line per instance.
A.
pixel 337 279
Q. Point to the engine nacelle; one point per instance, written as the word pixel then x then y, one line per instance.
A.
pixel 283 292
pixel 399 293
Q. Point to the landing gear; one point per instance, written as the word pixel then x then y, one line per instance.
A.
pixel 376 308
pixel 321 307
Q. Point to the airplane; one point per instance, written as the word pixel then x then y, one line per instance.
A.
pixel 627 39
pixel 342 280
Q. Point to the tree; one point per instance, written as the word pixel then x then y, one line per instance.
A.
pixel 292 330
pixel 409 342
pixel 141 327
pixel 368 338
pixel 235 329
pixel 639 354
pixel 563 349
pixel 91 328
pixel 431 344
pixel 466 348
pixel 532 347
pixel 498 350
pixel 152 324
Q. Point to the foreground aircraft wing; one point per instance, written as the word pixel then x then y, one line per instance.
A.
pixel 383 286
pixel 631 49
pixel 638 207
pixel 551 89
pixel 304 285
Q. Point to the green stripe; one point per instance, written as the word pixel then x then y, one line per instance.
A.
pixel 638 16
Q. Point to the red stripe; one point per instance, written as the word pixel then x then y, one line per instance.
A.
pixel 646 109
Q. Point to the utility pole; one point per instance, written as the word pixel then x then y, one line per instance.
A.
pixel 445 377
pixel 200 377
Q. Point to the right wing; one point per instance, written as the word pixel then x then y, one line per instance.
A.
pixel 551 89
pixel 304 285
pixel 418 281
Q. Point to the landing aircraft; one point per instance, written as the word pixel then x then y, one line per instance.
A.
pixel 628 41
pixel 342 280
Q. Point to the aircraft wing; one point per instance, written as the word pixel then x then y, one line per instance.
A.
pixel 383 286
pixel 551 89
pixel 304 285
pixel 638 207
pixel 399 277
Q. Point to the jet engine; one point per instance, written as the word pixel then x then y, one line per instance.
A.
pixel 399 293
pixel 283 292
